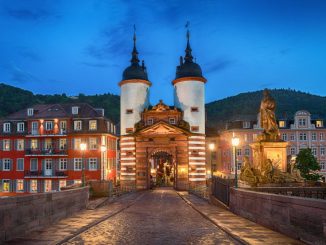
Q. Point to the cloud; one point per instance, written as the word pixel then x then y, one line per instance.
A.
pixel 218 65
pixel 29 54
pixel 20 76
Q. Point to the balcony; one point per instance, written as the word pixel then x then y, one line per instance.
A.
pixel 45 174
pixel 38 133
pixel 46 152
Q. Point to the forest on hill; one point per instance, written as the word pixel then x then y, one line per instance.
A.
pixel 244 105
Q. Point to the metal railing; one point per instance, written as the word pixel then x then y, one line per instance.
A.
pixel 41 173
pixel 52 151
pixel 200 191
pixel 221 189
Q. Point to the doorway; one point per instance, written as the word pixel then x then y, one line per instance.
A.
pixel 162 169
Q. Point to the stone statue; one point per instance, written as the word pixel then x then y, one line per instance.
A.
pixel 268 119
pixel 247 173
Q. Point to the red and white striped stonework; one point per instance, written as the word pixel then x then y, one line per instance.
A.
pixel 197 160
pixel 128 161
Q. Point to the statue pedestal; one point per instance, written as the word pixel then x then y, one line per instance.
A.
pixel 273 150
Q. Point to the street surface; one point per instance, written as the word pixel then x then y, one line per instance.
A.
pixel 158 217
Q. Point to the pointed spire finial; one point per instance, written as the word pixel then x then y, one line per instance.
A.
pixel 134 58
pixel 188 56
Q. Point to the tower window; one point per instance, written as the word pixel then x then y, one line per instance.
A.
pixel 194 109
pixel 172 120
pixel 194 128
pixel 150 121
pixel 129 111
pixel 129 130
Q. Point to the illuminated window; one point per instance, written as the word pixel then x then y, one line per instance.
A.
pixel 319 123
pixel 62 183
pixel 33 186
pixel 20 127
pixel 62 144
pixel 47 185
pixel 92 125
pixel 78 125
pixel 6 145
pixel 20 185
pixel 6 185
pixel 34 144
pixel 92 143
pixel 77 142
pixel 20 145
pixel 47 144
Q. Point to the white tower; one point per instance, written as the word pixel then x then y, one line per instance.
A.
pixel 134 93
pixel 189 91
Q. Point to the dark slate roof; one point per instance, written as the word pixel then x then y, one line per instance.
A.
pixel 56 111
pixel 187 67
pixel 135 71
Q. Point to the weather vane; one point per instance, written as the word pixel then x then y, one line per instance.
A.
pixel 187 27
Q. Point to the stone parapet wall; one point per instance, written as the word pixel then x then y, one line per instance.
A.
pixel 22 214
pixel 297 217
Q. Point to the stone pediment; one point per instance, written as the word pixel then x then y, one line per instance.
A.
pixel 162 128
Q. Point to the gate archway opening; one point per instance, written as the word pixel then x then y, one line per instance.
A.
pixel 162 169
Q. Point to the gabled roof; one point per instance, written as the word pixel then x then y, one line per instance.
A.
pixel 162 128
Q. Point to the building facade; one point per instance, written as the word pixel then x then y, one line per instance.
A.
pixel 40 147
pixel 163 143
pixel 301 131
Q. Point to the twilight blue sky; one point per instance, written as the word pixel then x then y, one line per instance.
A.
pixel 83 46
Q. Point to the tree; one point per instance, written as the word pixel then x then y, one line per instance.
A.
pixel 307 163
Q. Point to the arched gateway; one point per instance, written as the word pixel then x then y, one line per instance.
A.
pixel 163 144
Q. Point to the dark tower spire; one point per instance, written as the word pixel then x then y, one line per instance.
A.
pixel 134 57
pixel 188 56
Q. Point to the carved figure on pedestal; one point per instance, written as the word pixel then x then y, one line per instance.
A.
pixel 247 172
pixel 268 119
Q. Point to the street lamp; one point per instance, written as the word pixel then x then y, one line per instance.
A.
pixel 83 148
pixel 211 147
pixel 103 149
pixel 235 143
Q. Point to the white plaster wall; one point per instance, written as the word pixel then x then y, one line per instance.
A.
pixel 189 94
pixel 133 96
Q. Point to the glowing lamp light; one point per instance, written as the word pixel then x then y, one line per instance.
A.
pixel 182 170
pixel 83 146
pixel 235 141
pixel 103 148
pixel 211 146
pixel 208 172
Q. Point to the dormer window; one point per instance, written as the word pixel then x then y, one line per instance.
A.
pixel 129 111
pixel 319 124
pixel 302 122
pixel 246 124
pixel 194 109
pixel 281 124
pixel 172 120
pixel 6 127
pixel 30 112
pixel 74 110
pixel 92 125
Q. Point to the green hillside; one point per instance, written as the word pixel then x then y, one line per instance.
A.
pixel 242 105
pixel 247 104
pixel 13 99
